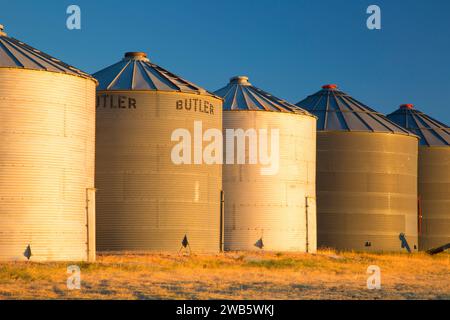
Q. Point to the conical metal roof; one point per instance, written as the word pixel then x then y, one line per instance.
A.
pixel 431 132
pixel 136 72
pixel 239 94
pixel 337 111
pixel 16 54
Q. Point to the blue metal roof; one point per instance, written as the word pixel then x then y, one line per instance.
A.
pixel 337 111
pixel 432 133
pixel 136 72
pixel 239 94
pixel 16 54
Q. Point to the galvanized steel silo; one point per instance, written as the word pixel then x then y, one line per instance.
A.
pixel 276 210
pixel 434 174
pixel 366 176
pixel 145 201
pixel 47 140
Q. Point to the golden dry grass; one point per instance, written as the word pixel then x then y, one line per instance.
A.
pixel 325 275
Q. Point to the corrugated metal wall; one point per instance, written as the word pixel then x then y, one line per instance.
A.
pixel 434 192
pixel 144 201
pixel 366 190
pixel 273 207
pixel 47 152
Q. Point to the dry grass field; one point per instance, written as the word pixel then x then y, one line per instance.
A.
pixel 325 275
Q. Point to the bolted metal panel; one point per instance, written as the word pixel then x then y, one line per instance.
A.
pixel 145 202
pixel 434 174
pixel 47 141
pixel 279 209
pixel 366 190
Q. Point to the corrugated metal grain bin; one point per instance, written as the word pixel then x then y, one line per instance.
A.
pixel 47 140
pixel 276 210
pixel 434 174
pixel 366 176
pixel 145 200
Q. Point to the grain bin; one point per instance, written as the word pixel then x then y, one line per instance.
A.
pixel 366 176
pixel 46 156
pixel 434 174
pixel 275 211
pixel 145 200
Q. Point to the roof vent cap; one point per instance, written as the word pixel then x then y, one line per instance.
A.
pixel 407 106
pixel 329 86
pixel 242 80
pixel 136 56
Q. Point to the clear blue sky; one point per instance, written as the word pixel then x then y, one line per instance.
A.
pixel 287 47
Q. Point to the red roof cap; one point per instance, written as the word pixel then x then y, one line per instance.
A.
pixel 408 106
pixel 329 86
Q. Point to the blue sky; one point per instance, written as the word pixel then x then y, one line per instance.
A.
pixel 287 47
